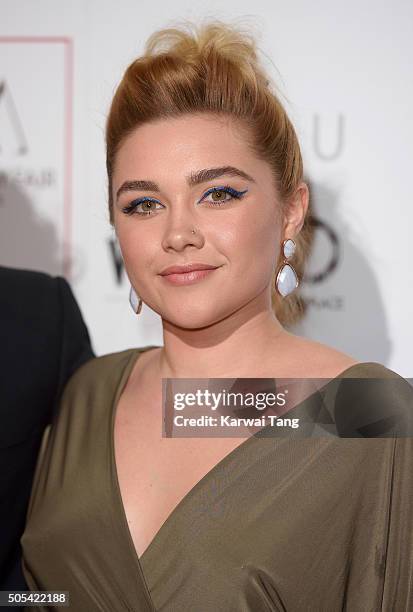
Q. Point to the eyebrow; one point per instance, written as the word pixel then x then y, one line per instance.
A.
pixel 194 178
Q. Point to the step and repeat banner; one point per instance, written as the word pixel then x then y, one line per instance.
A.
pixel 345 75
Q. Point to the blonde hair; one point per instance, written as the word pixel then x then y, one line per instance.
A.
pixel 213 68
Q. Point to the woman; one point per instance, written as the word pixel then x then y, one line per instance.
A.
pixel 204 167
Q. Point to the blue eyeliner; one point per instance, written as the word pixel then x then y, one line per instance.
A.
pixel 128 210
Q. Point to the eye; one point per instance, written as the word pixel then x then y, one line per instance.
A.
pixel 221 193
pixel 148 203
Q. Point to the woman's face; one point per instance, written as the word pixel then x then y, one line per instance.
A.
pixel 238 228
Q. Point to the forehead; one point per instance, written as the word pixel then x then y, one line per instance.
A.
pixel 193 140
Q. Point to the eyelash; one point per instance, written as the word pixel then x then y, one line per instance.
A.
pixel 130 209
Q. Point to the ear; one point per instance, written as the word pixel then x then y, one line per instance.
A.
pixel 296 211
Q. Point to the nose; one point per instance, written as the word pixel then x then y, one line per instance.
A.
pixel 182 233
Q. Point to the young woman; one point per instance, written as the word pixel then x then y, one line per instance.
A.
pixel 205 172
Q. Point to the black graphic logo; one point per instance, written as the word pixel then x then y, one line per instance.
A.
pixel 8 106
pixel 334 257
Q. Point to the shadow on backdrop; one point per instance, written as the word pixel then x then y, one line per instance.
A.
pixel 344 306
pixel 26 239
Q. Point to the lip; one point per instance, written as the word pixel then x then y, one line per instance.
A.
pixel 188 278
pixel 185 268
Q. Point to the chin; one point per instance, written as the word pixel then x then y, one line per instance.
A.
pixel 189 317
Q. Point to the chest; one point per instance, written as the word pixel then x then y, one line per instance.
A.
pixel 155 473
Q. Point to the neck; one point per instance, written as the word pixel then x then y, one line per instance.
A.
pixel 232 348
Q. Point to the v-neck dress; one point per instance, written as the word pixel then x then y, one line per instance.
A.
pixel 279 524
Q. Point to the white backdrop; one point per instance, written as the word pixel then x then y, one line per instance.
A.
pixel 345 69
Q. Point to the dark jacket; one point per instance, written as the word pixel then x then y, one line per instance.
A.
pixel 43 341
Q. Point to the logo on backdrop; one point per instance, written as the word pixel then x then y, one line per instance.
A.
pixel 35 153
pixel 14 144
pixel 117 260
pixel 326 261
pixel 7 102
pixel 331 258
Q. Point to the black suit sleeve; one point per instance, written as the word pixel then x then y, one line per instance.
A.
pixel 76 346
pixel 45 340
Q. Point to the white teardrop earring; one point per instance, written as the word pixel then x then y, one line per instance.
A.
pixel 287 280
pixel 135 301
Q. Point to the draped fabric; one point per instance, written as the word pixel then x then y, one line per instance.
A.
pixel 279 524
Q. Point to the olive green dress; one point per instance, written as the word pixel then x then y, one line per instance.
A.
pixel 279 524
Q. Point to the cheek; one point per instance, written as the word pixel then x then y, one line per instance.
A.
pixel 251 245
pixel 137 250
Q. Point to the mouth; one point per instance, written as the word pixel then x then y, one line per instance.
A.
pixel 188 278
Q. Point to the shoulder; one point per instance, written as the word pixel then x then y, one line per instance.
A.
pixel 323 361
pixel 27 291
pixel 90 392
pixel 25 280
pixel 98 372
pixel 370 369
pixel 100 379
pixel 312 359
pixel 373 401
pixel 367 399
pixel 19 276
pixel 33 293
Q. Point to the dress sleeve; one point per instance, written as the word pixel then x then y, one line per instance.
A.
pixel 398 561
pixel 31 583
pixel 374 402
